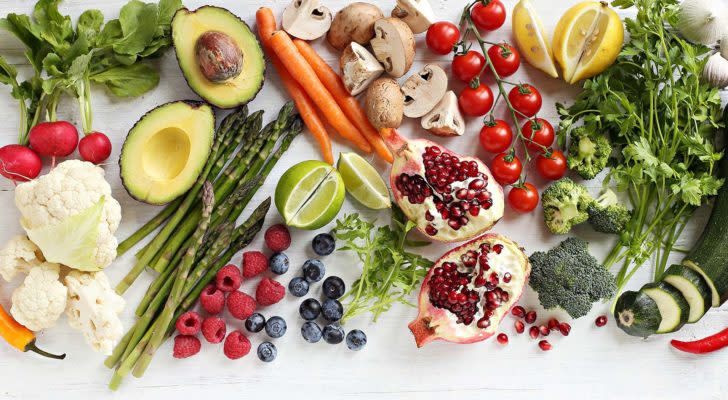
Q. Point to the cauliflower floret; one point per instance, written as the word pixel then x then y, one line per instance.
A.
pixel 40 300
pixel 94 308
pixel 18 256
pixel 69 189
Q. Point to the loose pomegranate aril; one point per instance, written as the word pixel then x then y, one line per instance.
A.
pixel 564 328
pixel 507 277
pixel 483 323
pixel 498 248
pixel 531 317
pixel 534 332
pixel 553 324
pixel 502 338
pixel 544 345
pixel 601 321
pixel 544 330
pixel 520 327
pixel 518 311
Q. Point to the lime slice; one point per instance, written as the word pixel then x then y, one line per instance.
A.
pixel 309 195
pixel 363 182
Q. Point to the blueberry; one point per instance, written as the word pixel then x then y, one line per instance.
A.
pixel 334 287
pixel 275 327
pixel 255 323
pixel 323 244
pixel 333 334
pixel 332 310
pixel 298 287
pixel 310 309
pixel 278 263
pixel 313 270
pixel 356 340
pixel 267 352
pixel 311 332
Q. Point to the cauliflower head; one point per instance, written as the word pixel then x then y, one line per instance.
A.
pixel 18 257
pixel 94 308
pixel 41 299
pixel 49 204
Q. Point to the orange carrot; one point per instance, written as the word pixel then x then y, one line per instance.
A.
pixel 266 26
pixel 346 101
pixel 287 52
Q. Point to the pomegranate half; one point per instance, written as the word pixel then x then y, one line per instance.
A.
pixel 450 197
pixel 469 290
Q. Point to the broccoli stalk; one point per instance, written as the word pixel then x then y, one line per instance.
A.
pixel 570 278
pixel 607 214
pixel 588 153
pixel 564 205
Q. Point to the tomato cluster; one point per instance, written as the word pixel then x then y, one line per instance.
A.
pixel 524 101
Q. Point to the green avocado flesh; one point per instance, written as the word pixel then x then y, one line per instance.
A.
pixel 188 26
pixel 166 150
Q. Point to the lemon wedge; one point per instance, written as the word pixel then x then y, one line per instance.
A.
pixel 531 38
pixel 587 40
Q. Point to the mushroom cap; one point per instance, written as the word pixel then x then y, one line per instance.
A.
pixel 445 119
pixel 306 19
pixel 394 45
pixel 353 23
pixel 358 68
pixel 423 90
pixel 417 14
pixel 384 103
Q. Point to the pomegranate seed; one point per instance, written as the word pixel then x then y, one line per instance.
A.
pixel 531 317
pixel 483 323
pixel 564 328
pixel 601 321
pixel 553 324
pixel 519 326
pixel 507 277
pixel 544 330
pixel 518 311
pixel 498 248
pixel 430 230
pixel 544 345
pixel 476 184
pixel 534 332
pixel 502 338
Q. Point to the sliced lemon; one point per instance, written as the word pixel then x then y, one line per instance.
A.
pixel 531 38
pixel 363 182
pixel 587 40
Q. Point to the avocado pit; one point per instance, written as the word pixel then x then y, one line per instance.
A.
pixel 218 56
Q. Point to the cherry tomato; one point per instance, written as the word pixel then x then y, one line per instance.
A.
pixel 476 102
pixel 505 58
pixel 467 66
pixel 442 37
pixel 504 171
pixel 489 16
pixel 523 199
pixel 496 136
pixel 542 134
pixel 553 167
pixel 525 99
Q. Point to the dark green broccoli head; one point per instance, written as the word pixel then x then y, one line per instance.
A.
pixel 570 278
pixel 607 214
pixel 564 205
pixel 588 152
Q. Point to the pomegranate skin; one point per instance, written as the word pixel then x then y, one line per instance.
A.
pixel 433 323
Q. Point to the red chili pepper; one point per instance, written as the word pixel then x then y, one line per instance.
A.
pixel 702 346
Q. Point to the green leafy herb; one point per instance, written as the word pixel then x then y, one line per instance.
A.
pixel 389 272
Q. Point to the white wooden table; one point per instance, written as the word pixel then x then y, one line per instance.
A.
pixel 591 363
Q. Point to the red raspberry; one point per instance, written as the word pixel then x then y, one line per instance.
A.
pixel 189 323
pixel 213 329
pixel 236 345
pixel 269 292
pixel 186 346
pixel 240 305
pixel 277 238
pixel 254 262
pixel 212 300
pixel 228 278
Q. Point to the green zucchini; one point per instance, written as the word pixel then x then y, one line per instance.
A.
pixel 693 287
pixel 637 314
pixel 673 307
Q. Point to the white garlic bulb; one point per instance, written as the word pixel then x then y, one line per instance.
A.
pixel 703 21
pixel 716 71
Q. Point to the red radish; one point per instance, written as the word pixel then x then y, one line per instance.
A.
pixel 54 139
pixel 19 163
pixel 95 147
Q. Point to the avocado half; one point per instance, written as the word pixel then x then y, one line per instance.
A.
pixel 187 28
pixel 166 150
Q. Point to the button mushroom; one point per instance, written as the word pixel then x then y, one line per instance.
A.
pixel 394 45
pixel 353 23
pixel 384 103
pixel 306 19
pixel 445 119
pixel 423 90
pixel 417 14
pixel 359 68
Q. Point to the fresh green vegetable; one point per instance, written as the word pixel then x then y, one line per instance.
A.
pixel 570 278
pixel 637 314
pixel 674 310
pixel 588 152
pixel 693 287
pixel 389 272
pixel 607 214
pixel 564 205
pixel 662 120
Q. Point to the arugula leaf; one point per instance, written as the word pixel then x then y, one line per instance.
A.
pixel 138 23
pixel 128 81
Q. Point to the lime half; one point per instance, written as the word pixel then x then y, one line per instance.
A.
pixel 309 195
pixel 363 182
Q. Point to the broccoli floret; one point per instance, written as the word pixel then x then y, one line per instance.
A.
pixel 588 152
pixel 607 214
pixel 568 277
pixel 564 205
